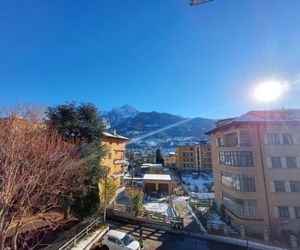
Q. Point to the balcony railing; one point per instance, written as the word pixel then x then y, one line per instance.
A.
pixel 235 145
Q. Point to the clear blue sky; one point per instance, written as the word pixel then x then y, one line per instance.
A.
pixel 158 55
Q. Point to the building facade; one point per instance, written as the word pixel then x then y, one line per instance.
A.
pixel 194 157
pixel 256 168
pixel 170 159
pixel 114 160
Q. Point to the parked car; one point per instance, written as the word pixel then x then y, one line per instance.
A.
pixel 117 240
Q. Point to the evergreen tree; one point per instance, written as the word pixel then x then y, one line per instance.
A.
pixel 80 124
pixel 159 158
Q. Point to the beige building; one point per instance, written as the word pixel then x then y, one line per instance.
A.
pixel 256 166
pixel 194 157
pixel 157 183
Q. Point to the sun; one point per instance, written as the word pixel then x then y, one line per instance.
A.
pixel 268 91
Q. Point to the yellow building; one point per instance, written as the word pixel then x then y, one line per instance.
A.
pixel 256 167
pixel 170 159
pixel 194 157
pixel 115 158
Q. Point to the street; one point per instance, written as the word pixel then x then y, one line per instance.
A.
pixel 159 239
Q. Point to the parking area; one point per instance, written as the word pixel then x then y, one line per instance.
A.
pixel 155 239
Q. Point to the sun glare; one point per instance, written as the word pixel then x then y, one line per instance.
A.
pixel 268 91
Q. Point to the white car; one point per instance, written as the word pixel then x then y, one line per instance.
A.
pixel 117 240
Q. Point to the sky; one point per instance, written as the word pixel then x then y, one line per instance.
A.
pixel 161 55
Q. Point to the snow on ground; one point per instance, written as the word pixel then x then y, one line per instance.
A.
pixel 203 196
pixel 161 208
pixel 199 183
pixel 181 198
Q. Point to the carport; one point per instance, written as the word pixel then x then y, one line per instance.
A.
pixel 158 183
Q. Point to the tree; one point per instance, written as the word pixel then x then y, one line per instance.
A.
pixel 108 189
pixel 81 125
pixel 159 158
pixel 137 198
pixel 38 170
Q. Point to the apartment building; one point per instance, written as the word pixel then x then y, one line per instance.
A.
pixel 194 157
pixel 115 158
pixel 170 159
pixel 256 167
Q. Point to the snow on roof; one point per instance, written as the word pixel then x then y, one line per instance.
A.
pixel 114 136
pixel 115 233
pixel 284 115
pixel 161 177
pixel 151 165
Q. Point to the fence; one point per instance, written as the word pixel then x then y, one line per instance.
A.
pixel 82 234
pixel 124 211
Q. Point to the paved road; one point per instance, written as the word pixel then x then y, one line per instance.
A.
pixel 155 239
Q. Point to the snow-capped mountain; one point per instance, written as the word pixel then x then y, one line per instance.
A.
pixel 116 115
pixel 154 129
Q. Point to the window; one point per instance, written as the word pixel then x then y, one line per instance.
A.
pixel 239 182
pixel 283 212
pixel 247 208
pixel 220 141
pixel 279 186
pixel 245 138
pixel 291 162
pixel 273 138
pixel 297 212
pixel 276 162
pixel 111 239
pixel 287 139
pixel 295 186
pixel 236 158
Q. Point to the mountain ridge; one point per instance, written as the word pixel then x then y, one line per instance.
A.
pixel 165 130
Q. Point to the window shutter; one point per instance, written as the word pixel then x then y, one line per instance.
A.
pixel 269 162
pixel 266 138
pixel 275 211
pixel 272 186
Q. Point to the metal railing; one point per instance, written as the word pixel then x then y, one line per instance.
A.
pixel 82 234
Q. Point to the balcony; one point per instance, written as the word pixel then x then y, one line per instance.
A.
pixel 118 174
pixel 235 145
pixel 121 161
pixel 239 138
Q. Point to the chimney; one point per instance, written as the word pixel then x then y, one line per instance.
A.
pixel 114 132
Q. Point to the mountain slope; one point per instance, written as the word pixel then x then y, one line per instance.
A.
pixel 157 129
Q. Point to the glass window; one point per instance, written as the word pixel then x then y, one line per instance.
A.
pixel 291 162
pixel 276 162
pixel 239 182
pixel 283 212
pixel 273 138
pixel 236 158
pixel 287 139
pixel 279 186
pixel 297 212
pixel 295 186
pixel 245 138
pixel 111 239
pixel 247 208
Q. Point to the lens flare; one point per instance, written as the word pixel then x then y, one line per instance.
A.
pixel 269 91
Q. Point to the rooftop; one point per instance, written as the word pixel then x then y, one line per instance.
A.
pixel 106 134
pixel 161 177
pixel 115 233
pixel 261 116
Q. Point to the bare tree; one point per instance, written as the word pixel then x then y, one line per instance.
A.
pixel 39 172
